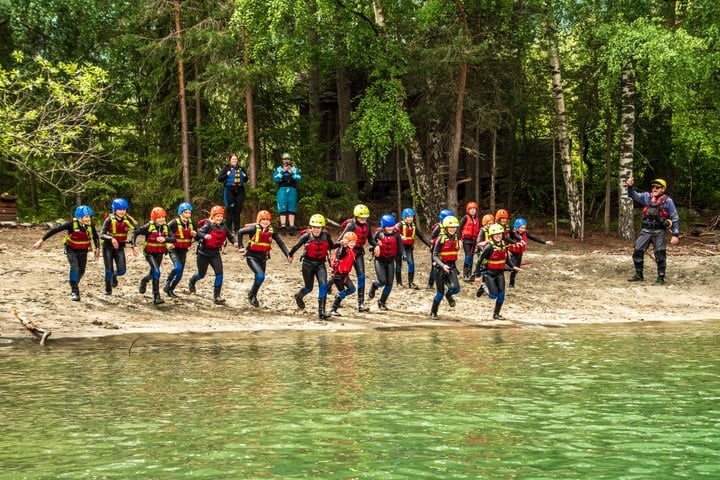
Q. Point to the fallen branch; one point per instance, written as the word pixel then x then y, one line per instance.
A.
pixel 40 333
pixel 132 345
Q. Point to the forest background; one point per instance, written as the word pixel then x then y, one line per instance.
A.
pixel 541 107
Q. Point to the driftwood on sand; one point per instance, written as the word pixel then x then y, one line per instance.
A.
pixel 39 332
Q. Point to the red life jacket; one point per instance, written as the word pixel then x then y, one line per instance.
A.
pixel 362 230
pixel 262 240
pixel 449 248
pixel 218 235
pixel 151 244
pixel 342 265
pixel 471 228
pixel 183 240
pixel 520 246
pixel 656 211
pixel 407 232
pixel 316 248
pixel 388 246
pixel 496 260
pixel 119 228
pixel 79 239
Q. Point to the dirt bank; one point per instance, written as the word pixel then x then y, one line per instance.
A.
pixel 566 283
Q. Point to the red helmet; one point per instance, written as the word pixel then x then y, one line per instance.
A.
pixel 502 213
pixel 157 212
pixel 471 205
pixel 263 215
pixel 217 210
pixel 487 219
pixel 350 236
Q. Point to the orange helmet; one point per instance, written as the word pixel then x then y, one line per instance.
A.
pixel 471 205
pixel 157 212
pixel 263 215
pixel 487 219
pixel 350 236
pixel 217 210
pixel 502 213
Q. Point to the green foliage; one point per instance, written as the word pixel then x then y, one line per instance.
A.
pixel 381 124
pixel 49 123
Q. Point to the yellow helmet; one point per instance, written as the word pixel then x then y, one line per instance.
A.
pixel 450 221
pixel 660 182
pixel 361 211
pixel 495 229
pixel 317 220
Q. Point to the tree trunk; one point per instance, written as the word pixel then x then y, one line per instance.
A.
pixel 378 13
pixel 347 167
pixel 478 186
pixel 454 160
pixel 183 106
pixel 250 109
pixel 314 77
pixel 608 167
pixel 493 167
pixel 430 184
pixel 456 145
pixel 571 189
pixel 626 229
pixel 198 123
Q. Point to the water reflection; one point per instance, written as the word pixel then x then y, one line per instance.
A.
pixel 635 401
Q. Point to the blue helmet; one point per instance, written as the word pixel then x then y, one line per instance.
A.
pixel 119 204
pixel 445 212
pixel 184 206
pixel 387 220
pixel 82 210
pixel 408 212
pixel 519 222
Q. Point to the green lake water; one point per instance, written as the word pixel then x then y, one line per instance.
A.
pixel 635 401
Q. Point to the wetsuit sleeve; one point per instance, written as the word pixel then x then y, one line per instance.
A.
pixel 67 226
pixel 300 242
pixel 484 255
pixel 170 238
pixel 401 247
pixel 283 248
pixel 104 235
pixel 95 236
pixel 202 231
pixel 242 232
pixel 534 238
pixel 372 239
pixel 436 254
pixel 230 235
pixel 137 232
pixel 422 237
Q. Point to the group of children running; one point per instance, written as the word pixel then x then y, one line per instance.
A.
pixel 498 248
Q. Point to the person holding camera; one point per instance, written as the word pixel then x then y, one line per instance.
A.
pixel 287 176
pixel 233 178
